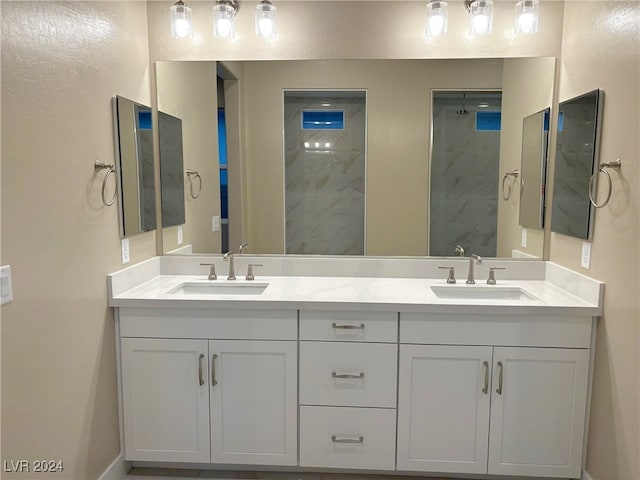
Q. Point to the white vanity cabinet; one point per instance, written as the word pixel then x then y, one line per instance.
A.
pixel 507 408
pixel 209 385
pixel 348 381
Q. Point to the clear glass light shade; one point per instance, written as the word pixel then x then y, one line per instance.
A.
pixel 181 24
pixel 224 21
pixel 527 15
pixel 481 21
pixel 266 25
pixel 437 19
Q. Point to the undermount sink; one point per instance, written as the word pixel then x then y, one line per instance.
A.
pixel 203 288
pixel 481 292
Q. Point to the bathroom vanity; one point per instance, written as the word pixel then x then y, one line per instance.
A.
pixel 380 366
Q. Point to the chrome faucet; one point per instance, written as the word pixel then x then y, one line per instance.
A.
pixel 478 259
pixel 459 250
pixel 243 248
pixel 229 257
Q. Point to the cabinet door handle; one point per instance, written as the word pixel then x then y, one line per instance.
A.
pixel 348 327
pixel 214 382
pixel 335 439
pixel 486 377
pixel 200 379
pixel 499 389
pixel 346 375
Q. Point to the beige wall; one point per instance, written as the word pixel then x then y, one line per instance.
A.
pixel 188 90
pixel 527 88
pixel 601 49
pixel 61 65
pixel 398 139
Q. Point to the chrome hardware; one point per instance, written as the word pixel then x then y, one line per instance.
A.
pixel 214 382
pixel 348 327
pixel 506 191
pixel 191 175
pixel 452 274
pixel 346 375
pixel 470 277
pixel 250 270
pixel 200 379
pixel 243 248
pixel 335 439
pixel 459 250
pixel 492 275
pixel 212 271
pixel 229 257
pixel 499 389
pixel 97 166
pixel 616 165
pixel 486 377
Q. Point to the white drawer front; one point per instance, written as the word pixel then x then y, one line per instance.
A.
pixel 339 437
pixel 349 326
pixel 348 374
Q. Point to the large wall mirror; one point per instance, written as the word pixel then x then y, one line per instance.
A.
pixel 398 143
pixel 579 124
pixel 133 133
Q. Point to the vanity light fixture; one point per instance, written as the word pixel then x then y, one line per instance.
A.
pixel 437 18
pixel 527 15
pixel 481 21
pixel 266 20
pixel 224 15
pixel 181 24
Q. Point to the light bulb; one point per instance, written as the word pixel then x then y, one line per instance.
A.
pixel 265 20
pixel 527 15
pixel 180 14
pixel 480 24
pixel 223 20
pixel 223 27
pixel 265 27
pixel 481 21
pixel 526 22
pixel 437 17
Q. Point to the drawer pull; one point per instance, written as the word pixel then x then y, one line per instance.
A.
pixel 486 377
pixel 499 389
pixel 348 327
pixel 200 379
pixel 335 439
pixel 346 375
pixel 214 382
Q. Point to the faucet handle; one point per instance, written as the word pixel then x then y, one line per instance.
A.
pixel 212 270
pixel 452 275
pixel 250 270
pixel 492 275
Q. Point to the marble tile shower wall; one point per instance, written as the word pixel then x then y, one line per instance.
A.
pixel 464 183
pixel 325 181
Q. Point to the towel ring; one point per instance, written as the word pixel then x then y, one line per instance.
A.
pixel 602 168
pixel 506 192
pixel 190 175
pixel 97 166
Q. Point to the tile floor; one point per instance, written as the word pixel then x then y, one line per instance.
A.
pixel 139 473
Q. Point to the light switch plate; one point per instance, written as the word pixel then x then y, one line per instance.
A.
pixel 180 239
pixel 125 250
pixel 6 292
pixel 586 255
pixel 215 223
pixel 523 240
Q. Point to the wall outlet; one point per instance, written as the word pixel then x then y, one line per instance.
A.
pixel 180 239
pixel 215 223
pixel 523 240
pixel 6 292
pixel 124 247
pixel 586 255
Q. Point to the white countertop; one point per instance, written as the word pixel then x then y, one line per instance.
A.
pixel 356 293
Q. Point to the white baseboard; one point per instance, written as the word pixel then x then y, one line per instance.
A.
pixel 117 470
pixel 586 476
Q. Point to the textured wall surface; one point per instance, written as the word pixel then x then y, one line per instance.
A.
pixel 61 65
pixel 601 49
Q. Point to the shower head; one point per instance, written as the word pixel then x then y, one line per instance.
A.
pixel 463 110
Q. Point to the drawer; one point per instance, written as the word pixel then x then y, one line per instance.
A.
pixel 348 374
pixel 342 437
pixel 349 326
pixel 223 324
pixel 500 330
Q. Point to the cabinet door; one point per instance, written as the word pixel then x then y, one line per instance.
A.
pixel 165 399
pixel 443 408
pixel 538 411
pixel 254 402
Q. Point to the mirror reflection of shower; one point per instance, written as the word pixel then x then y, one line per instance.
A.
pixel 465 156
